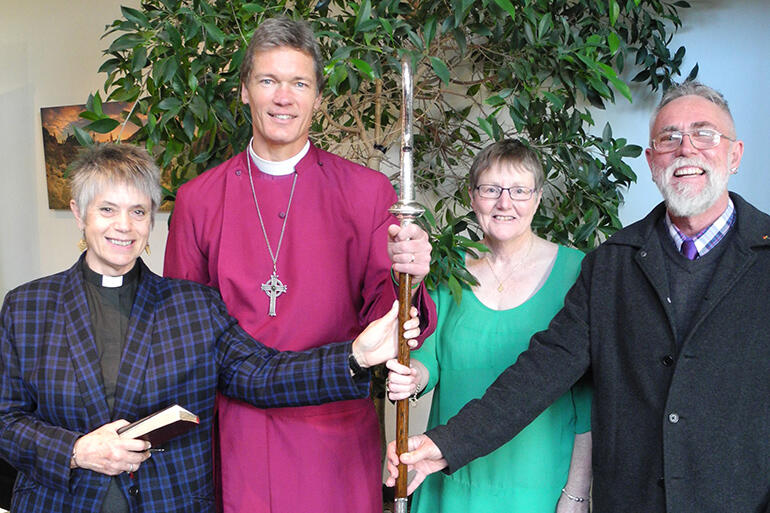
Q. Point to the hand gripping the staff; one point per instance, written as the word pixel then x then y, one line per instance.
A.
pixel 379 341
pixel 424 457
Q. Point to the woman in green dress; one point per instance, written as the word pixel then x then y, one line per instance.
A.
pixel 522 283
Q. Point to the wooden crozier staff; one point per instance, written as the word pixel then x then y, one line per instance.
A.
pixel 406 210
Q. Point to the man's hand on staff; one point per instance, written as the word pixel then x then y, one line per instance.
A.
pixel 424 457
pixel 379 341
pixel 409 251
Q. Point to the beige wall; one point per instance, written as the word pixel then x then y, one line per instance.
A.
pixel 50 52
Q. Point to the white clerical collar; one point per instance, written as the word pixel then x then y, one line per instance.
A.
pixel 284 167
pixel 112 281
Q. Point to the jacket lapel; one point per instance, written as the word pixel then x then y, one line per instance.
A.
pixel 83 352
pixel 650 256
pixel 136 351
pixel 650 259
pixel 735 261
pixel 750 230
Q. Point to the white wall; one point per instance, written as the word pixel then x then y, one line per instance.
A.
pixel 50 52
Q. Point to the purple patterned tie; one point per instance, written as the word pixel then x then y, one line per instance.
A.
pixel 688 249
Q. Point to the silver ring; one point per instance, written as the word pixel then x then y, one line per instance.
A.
pixel 413 258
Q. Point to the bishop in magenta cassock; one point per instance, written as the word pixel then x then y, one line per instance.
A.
pixel 337 275
pixel 297 241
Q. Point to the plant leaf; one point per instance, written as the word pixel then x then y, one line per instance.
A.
pixel 440 69
pixel 614 11
pixel 214 33
pixel 83 137
pixel 613 41
pixel 363 67
pixel 507 6
pixel 103 126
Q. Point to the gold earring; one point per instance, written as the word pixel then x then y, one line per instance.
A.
pixel 147 249
pixel 82 245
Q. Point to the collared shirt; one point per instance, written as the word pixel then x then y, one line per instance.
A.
pixel 277 168
pixel 710 236
pixel 110 299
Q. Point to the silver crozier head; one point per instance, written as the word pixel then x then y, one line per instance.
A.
pixel 406 209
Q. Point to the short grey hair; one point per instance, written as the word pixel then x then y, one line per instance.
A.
pixel 283 32
pixel 103 165
pixel 692 88
pixel 507 151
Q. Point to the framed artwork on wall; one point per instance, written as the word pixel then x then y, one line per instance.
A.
pixel 60 146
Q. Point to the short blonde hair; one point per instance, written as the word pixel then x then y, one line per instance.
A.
pixel 103 165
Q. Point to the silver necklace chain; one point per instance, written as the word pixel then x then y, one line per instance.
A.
pixel 274 258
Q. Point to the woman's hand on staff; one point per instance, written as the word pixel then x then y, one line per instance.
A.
pixel 409 251
pixel 102 450
pixel 424 457
pixel 379 341
pixel 404 382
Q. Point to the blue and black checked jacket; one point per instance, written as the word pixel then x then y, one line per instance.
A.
pixel 181 346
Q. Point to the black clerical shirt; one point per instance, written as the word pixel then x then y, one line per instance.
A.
pixel 109 301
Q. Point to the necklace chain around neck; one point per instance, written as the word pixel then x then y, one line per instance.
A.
pixel 500 282
pixel 273 257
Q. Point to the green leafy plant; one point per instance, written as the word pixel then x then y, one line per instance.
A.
pixel 484 70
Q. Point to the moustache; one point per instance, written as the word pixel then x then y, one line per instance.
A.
pixel 680 162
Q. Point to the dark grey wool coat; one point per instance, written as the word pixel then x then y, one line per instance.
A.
pixel 676 433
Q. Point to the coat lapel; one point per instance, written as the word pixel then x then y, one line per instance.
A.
pixel 650 257
pixel 749 231
pixel 651 260
pixel 136 351
pixel 83 352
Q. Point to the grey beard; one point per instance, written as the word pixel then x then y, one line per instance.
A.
pixel 679 202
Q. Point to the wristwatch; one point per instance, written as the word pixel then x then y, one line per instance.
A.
pixel 355 369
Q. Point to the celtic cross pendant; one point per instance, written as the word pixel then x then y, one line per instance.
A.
pixel 273 288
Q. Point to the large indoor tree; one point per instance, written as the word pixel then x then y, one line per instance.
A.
pixel 485 69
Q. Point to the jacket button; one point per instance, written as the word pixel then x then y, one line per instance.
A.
pixel 238 173
pixel 667 360
pixel 133 491
pixel 673 418
pixel 642 253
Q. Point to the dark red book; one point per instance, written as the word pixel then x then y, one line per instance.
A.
pixel 161 426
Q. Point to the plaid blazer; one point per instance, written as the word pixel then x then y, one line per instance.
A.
pixel 181 346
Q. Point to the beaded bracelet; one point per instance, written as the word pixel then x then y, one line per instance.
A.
pixel 574 497
pixel 417 390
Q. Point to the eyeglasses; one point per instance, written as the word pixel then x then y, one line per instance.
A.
pixel 702 139
pixel 517 193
